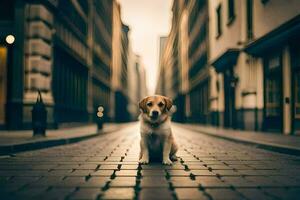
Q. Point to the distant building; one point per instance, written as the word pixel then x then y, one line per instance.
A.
pixel 184 73
pixel 136 84
pixel 63 49
pixel 169 72
pixel 160 80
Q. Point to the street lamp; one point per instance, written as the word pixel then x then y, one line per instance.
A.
pixel 10 39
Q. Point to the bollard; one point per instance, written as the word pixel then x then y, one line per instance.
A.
pixel 100 117
pixel 39 117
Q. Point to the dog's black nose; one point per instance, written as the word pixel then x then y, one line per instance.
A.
pixel 154 113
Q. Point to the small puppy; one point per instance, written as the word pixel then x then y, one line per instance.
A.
pixel 157 140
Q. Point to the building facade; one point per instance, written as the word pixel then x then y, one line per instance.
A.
pixel 234 64
pixel 136 84
pixel 61 48
pixel 184 72
pixel 119 93
pixel 254 59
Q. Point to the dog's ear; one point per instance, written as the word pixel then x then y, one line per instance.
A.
pixel 169 103
pixel 142 104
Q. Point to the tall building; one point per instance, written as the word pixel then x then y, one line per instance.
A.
pixel 100 57
pixel 184 73
pixel 119 93
pixel 169 72
pixel 255 53
pixel 160 80
pixel 63 49
pixel 136 84
pixel 197 62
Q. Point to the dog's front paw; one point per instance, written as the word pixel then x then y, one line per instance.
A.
pixel 167 162
pixel 144 161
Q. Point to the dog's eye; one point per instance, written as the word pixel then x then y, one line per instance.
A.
pixel 149 104
pixel 161 104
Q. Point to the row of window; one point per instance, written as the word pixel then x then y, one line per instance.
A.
pixel 231 17
pixel 73 92
pixel 70 40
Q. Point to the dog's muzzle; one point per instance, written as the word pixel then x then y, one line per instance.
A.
pixel 154 114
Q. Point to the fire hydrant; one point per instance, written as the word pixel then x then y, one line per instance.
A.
pixel 39 117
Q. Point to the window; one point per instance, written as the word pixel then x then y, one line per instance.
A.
pixel 272 96
pixel 249 19
pixel 231 14
pixel 273 86
pixel 219 20
pixel 7 9
pixel 297 95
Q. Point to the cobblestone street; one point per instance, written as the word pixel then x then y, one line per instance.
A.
pixel 106 167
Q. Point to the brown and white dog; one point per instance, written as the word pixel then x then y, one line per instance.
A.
pixel 157 140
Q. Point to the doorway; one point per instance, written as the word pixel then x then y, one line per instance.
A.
pixel 273 94
pixel 3 84
pixel 229 94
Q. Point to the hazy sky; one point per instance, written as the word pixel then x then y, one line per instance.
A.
pixel 148 20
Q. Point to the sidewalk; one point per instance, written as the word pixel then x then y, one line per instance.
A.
pixel 15 141
pixel 289 144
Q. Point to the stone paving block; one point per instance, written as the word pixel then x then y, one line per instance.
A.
pixel 286 181
pixel 226 172
pixel 71 182
pixel 254 194
pixel 154 181
pixel 47 181
pixel 263 181
pixel 96 158
pixel 27 193
pixel 118 193
pixel 275 192
pixel 211 182
pixel 239 182
pixel 108 167
pixel 183 182
pixel 237 167
pixel 216 167
pixel 223 194
pixel 156 172
pixel 126 173
pixel 58 172
pixel 23 172
pixel 87 166
pixel 197 166
pixel 81 172
pixel 56 193
pixel 202 172
pixel 102 172
pixel 153 193
pixel 190 193
pixel 129 167
pixel 123 182
pixel 249 172
pixel 263 166
pixel 114 158
pixel 85 193
pixel 98 182
pixel 174 172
